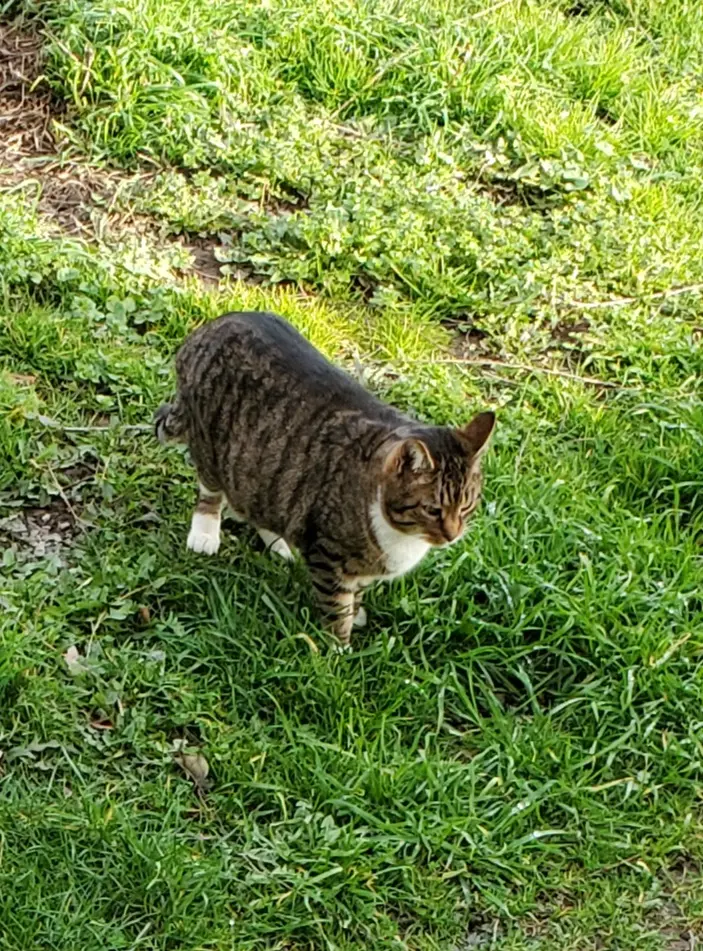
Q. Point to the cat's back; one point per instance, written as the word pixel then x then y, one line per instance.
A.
pixel 260 350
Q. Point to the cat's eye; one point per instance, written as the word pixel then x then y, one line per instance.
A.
pixel 433 511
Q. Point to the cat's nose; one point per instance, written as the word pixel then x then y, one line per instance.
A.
pixel 452 528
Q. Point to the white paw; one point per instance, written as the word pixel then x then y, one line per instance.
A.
pixel 276 544
pixel 342 648
pixel 206 543
pixel 282 548
pixel 360 618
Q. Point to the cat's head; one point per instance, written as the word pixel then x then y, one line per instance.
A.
pixel 431 479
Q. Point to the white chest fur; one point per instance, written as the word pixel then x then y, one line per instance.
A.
pixel 402 552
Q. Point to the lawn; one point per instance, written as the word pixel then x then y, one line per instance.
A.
pixel 468 204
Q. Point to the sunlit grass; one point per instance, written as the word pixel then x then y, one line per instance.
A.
pixel 511 758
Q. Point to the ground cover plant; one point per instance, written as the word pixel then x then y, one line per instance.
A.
pixel 468 205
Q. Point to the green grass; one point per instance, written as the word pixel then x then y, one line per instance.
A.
pixel 512 757
pixel 477 161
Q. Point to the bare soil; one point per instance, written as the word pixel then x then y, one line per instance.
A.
pixel 76 197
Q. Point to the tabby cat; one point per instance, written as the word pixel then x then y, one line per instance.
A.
pixel 314 461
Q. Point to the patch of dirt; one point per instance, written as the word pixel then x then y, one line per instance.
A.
pixel 568 331
pixel 578 9
pixel 567 339
pixel 685 868
pixel 506 190
pixel 605 115
pixel 25 105
pixel 669 922
pixel 470 342
pixel 289 201
pixel 70 193
pixel 65 189
pixel 468 339
pixel 480 935
pixel 363 286
pixel 205 263
pixel 40 532
pixel 78 198
pixel 661 914
pixel 44 531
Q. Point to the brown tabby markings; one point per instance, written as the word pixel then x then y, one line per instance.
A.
pixel 314 461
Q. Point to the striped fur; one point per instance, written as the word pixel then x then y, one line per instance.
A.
pixel 314 461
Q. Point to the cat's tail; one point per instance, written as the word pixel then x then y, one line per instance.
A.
pixel 170 423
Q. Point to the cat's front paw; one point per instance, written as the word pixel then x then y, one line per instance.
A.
pixel 206 543
pixel 342 648
pixel 282 549
pixel 360 618
pixel 276 544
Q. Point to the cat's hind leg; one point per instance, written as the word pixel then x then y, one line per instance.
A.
pixel 204 535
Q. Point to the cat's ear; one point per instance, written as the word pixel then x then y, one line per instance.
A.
pixel 409 455
pixel 479 431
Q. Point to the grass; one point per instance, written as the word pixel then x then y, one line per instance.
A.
pixel 511 759
pixel 471 160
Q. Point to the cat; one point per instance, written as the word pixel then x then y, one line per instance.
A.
pixel 314 461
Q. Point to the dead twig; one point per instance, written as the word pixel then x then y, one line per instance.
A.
pixel 64 498
pixel 122 428
pixel 641 299
pixel 528 368
pixel 488 10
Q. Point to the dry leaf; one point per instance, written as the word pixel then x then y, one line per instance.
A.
pixel 74 661
pixel 22 379
pixel 196 767
pixel 144 614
